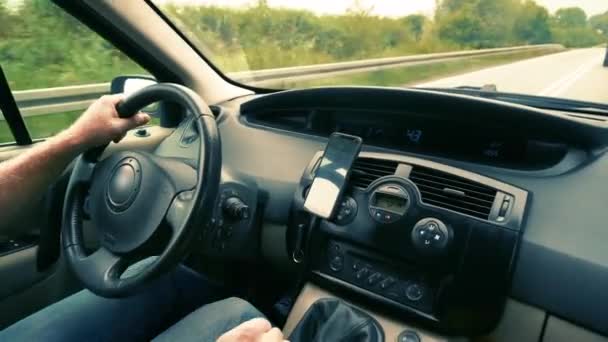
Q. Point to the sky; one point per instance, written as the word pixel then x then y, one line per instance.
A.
pixel 389 8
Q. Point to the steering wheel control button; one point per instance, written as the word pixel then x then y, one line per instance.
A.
pixel 347 211
pixel 408 336
pixel 414 292
pixel 430 236
pixel 123 184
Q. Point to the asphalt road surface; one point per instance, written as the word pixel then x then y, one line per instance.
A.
pixel 576 74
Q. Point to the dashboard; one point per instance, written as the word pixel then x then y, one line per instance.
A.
pixel 520 203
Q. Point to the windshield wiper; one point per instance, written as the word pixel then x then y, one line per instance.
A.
pixel 542 102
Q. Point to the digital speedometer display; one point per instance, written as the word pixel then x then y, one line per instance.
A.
pixel 442 138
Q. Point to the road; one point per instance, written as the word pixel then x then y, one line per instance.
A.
pixel 576 74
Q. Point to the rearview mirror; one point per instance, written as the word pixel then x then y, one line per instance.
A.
pixel 130 84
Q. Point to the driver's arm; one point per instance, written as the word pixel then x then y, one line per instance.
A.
pixel 25 178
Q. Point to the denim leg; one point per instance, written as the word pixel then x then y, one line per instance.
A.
pixel 87 317
pixel 210 322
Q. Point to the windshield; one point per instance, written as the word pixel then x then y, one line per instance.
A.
pixel 544 47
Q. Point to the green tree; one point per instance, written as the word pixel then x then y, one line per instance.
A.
pixel 5 21
pixel 532 25
pixel 600 23
pixel 415 24
pixel 461 26
pixel 571 28
pixel 477 23
pixel 571 17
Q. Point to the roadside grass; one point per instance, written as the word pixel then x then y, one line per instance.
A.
pixel 417 73
pixel 47 125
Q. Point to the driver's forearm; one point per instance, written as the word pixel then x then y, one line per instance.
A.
pixel 24 179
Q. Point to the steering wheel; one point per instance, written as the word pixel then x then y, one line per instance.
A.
pixel 133 194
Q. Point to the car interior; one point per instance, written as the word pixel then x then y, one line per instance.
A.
pixel 491 228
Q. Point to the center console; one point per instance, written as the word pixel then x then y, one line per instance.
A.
pixel 426 242
pixel 392 329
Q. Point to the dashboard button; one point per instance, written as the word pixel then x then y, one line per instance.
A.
pixel 414 292
pixel 374 278
pixel 431 236
pixel 408 336
pixel 229 232
pixel 387 283
pixel 336 264
pixel 362 273
pixel 334 248
pixel 347 211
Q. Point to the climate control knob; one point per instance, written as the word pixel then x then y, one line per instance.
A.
pixel 431 236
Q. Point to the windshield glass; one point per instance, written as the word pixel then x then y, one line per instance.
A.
pixel 544 47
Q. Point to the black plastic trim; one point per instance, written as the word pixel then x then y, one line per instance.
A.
pixel 588 134
pixel 11 113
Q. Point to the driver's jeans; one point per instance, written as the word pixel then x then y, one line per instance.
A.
pixel 149 315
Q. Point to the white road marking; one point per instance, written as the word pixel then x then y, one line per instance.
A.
pixel 564 87
pixel 487 70
pixel 577 73
pixel 568 80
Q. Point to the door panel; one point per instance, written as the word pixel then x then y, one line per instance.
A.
pixel 33 278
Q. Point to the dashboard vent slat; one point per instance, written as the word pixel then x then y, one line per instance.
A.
pixel 452 192
pixel 367 170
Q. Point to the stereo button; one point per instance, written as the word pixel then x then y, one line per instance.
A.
pixel 362 273
pixel 374 278
pixel 387 283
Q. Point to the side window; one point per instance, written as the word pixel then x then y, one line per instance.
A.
pixel 55 65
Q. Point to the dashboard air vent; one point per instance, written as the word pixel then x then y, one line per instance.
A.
pixel 367 170
pixel 452 192
pixel 294 120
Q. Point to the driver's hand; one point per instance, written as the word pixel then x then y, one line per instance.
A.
pixel 100 123
pixel 255 330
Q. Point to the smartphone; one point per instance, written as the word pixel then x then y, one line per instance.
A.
pixel 332 174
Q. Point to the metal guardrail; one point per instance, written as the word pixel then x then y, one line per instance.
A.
pixel 65 99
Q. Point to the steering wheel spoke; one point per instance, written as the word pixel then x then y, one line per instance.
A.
pixel 177 171
pixel 180 207
pixel 83 171
pixel 100 269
